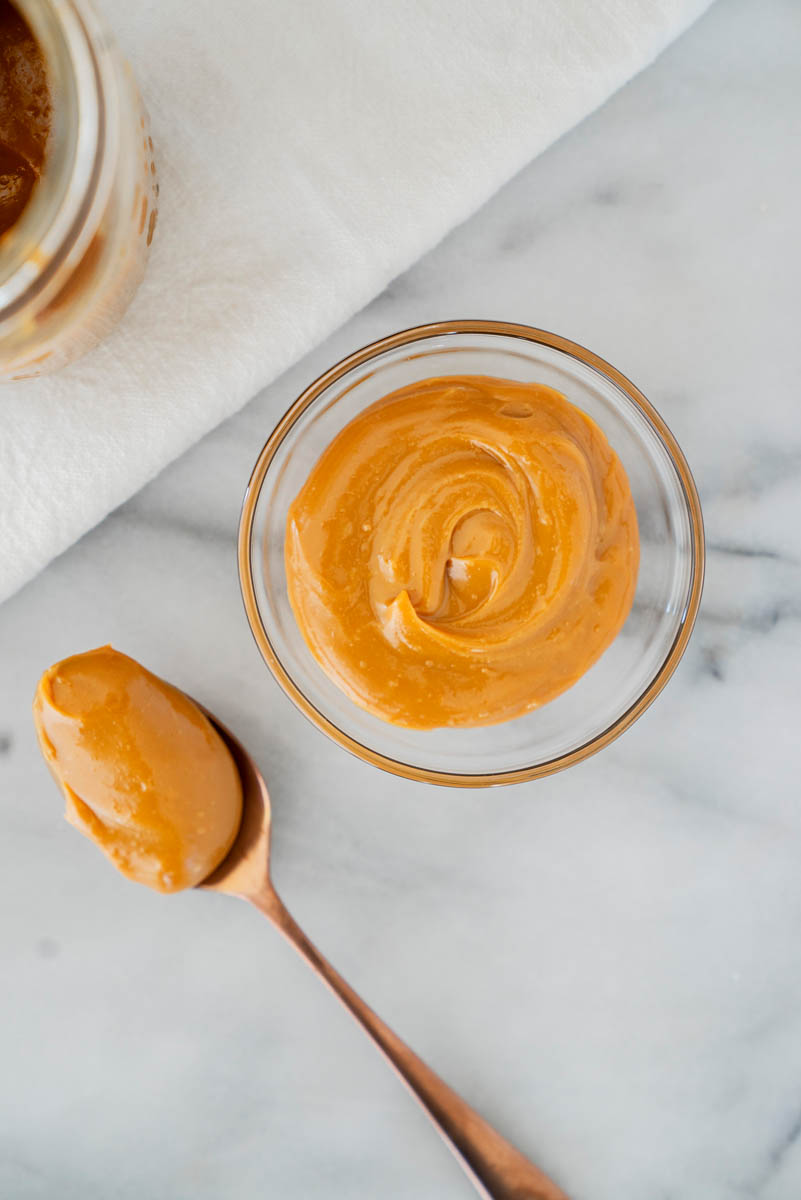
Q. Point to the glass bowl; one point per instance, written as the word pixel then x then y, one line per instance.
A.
pixel 627 677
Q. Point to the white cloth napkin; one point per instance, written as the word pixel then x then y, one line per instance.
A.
pixel 309 151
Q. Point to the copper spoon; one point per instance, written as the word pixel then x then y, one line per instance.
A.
pixel 497 1170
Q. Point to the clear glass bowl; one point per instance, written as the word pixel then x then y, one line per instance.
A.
pixel 625 680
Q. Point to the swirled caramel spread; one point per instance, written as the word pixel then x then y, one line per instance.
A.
pixel 463 551
pixel 24 114
pixel 144 773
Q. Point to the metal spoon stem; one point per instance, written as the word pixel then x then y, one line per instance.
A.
pixel 497 1170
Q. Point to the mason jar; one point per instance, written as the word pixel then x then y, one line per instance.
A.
pixel 71 263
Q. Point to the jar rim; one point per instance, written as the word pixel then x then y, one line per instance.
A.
pixel 45 244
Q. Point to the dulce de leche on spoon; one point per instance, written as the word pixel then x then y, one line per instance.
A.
pixel 145 774
pixel 174 800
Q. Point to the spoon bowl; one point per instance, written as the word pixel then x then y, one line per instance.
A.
pixel 496 1168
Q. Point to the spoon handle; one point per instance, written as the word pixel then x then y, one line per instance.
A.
pixel 497 1170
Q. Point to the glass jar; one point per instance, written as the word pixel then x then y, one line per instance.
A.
pixel 72 262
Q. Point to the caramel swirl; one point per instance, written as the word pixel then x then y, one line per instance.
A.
pixel 463 552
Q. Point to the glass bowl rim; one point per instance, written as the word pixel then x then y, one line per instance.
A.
pixel 406 337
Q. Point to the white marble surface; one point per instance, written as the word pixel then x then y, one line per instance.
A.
pixel 607 962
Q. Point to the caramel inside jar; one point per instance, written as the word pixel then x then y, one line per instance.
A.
pixel 25 114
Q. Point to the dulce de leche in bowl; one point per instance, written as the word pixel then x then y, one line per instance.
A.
pixel 463 551
pixel 471 553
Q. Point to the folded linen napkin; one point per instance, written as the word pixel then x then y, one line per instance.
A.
pixel 309 151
